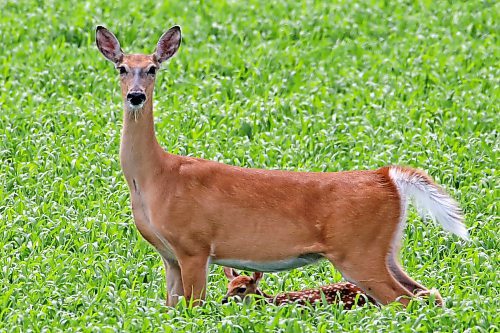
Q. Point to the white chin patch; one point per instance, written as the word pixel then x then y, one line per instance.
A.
pixel 135 108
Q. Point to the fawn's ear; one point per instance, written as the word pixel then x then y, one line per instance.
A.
pixel 108 44
pixel 168 44
pixel 257 276
pixel 231 274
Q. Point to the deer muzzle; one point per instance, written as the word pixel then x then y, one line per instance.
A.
pixel 136 98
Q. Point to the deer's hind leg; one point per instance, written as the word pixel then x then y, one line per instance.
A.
pixel 401 276
pixel 363 259
pixel 409 283
pixel 371 273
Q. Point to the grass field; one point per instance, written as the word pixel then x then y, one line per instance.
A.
pixel 314 85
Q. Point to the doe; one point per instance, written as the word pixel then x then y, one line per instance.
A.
pixel 193 211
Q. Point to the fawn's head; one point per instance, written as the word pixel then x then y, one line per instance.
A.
pixel 137 71
pixel 240 286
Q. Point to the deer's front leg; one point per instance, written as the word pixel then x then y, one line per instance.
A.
pixel 174 281
pixel 194 277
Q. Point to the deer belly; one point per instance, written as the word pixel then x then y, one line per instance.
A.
pixel 270 266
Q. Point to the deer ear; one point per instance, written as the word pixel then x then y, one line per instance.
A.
pixel 231 274
pixel 168 44
pixel 257 276
pixel 108 44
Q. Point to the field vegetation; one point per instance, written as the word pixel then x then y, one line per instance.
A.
pixel 297 85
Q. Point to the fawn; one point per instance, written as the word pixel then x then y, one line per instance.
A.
pixel 190 209
pixel 348 294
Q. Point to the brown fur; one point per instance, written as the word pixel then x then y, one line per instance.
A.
pixel 194 211
pixel 346 293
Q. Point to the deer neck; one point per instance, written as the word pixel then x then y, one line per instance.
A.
pixel 140 153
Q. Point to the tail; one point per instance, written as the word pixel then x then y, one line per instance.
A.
pixel 429 198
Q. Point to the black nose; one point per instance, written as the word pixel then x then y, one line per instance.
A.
pixel 136 98
pixel 224 300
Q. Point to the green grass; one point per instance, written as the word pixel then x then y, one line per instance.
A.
pixel 310 85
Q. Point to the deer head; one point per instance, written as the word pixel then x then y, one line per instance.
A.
pixel 137 71
pixel 241 286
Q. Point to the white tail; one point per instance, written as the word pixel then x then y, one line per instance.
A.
pixel 429 198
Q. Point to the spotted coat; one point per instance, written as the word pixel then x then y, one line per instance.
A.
pixel 346 293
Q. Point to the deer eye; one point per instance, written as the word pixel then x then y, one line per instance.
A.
pixel 152 70
pixel 122 70
pixel 241 290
